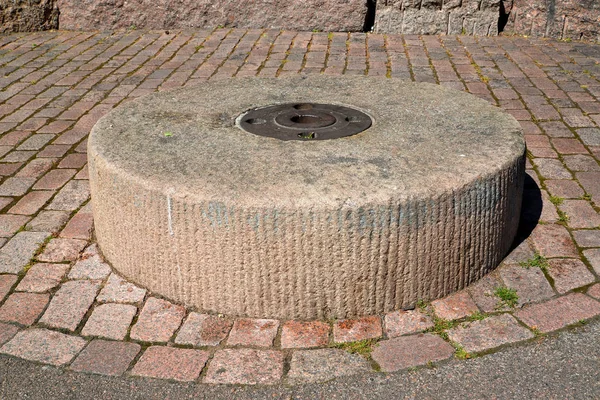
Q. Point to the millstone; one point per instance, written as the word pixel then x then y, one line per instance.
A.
pixel 421 203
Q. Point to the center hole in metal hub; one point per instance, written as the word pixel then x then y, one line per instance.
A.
pixel 313 121
pixel 304 121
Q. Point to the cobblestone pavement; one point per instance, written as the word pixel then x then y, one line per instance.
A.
pixel 62 305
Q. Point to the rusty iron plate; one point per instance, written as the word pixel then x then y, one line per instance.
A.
pixel 305 121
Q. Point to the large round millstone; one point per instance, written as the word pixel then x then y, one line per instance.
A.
pixel 419 205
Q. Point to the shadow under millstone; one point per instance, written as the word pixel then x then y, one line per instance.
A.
pixel 503 17
pixel 370 16
pixel 531 210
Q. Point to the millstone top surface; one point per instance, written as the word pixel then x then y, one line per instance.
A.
pixel 425 139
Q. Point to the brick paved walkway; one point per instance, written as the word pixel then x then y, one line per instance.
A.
pixel 62 305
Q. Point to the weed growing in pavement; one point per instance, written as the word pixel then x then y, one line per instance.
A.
pixel 563 218
pixel 477 316
pixel 460 352
pixel 557 201
pixel 587 197
pixel 362 347
pixel 538 261
pixel 507 296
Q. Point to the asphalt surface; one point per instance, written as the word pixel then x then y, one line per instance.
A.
pixel 563 366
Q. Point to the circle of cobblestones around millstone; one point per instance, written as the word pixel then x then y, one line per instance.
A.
pixel 418 206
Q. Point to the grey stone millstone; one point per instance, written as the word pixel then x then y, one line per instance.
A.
pixel 421 204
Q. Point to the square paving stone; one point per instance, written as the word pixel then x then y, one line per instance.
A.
pixel 590 182
pixel 7 332
pixel 553 241
pixel 106 357
pixel 455 306
pixel 594 291
pixel 489 333
pixel 118 290
pixel 593 256
pixel 581 162
pixel 299 334
pixel 158 321
pixel 203 330
pixel 23 308
pixel 558 313
pixel 245 367
pixel 401 322
pixel 19 250
pixel 321 365
pixel 6 283
pixel 410 351
pixel 171 363
pixel 42 277
pixel 60 250
pixel 483 293
pixel 521 253
pixel 253 332
pixel 110 321
pixel 569 274
pixel 10 224
pixel 90 265
pixel 530 283
pixel 564 188
pixel 353 330
pixel 44 346
pixel 580 213
pixel 70 304
pixel 587 238
pixel 48 221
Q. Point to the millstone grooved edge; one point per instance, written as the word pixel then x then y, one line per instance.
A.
pixel 421 204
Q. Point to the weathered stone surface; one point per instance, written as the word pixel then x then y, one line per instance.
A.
pixel 171 363
pixel 44 346
pixel 42 277
pixel 23 308
pixel 151 206
pixel 410 351
pixel 19 250
pixel 353 330
pixel 321 365
pixel 530 283
pixel 332 15
pixel 28 15
pixel 253 332
pixel 106 357
pixel 489 333
pixel 566 19
pixel 558 313
pixel 245 366
pixel 455 306
pixel 158 321
pixel 400 323
pixel 90 266
pixel 569 274
pixel 299 334
pixel 118 290
pixel 110 321
pixel 203 330
pixel 69 304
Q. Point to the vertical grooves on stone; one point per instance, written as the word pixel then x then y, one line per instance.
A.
pixel 306 263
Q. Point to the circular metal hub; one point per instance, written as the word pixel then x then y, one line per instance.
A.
pixel 304 121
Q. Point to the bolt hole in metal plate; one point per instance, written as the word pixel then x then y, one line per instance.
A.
pixel 304 121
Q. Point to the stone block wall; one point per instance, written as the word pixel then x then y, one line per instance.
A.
pixel 28 15
pixel 561 19
pixel 433 17
pixel 325 15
